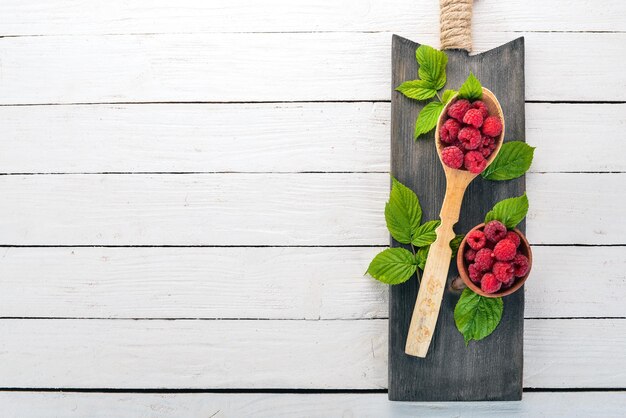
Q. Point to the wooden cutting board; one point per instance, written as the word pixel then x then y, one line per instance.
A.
pixel 490 369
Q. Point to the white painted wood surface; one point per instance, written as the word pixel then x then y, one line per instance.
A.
pixel 272 283
pixel 226 405
pixel 284 354
pixel 277 67
pixel 339 209
pixel 285 137
pixel 114 57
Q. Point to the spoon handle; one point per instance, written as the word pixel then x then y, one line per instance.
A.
pixel 435 274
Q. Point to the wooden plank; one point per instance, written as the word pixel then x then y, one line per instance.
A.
pixel 559 353
pixel 492 369
pixel 274 283
pixel 287 283
pixel 272 405
pixel 209 137
pixel 202 67
pixel 287 137
pixel 272 209
pixel 71 17
pixel 553 127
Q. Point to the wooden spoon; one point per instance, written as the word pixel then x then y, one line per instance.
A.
pixel 435 274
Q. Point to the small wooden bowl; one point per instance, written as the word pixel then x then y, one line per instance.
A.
pixel 519 282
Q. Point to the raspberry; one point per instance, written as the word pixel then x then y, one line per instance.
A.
pixel 457 109
pixel 470 138
pixel 452 157
pixel 470 254
pixel 480 105
pixel 475 162
pixel 503 271
pixel 484 259
pixel 505 250
pixel 449 131
pixel 492 126
pixel 506 285
pixel 473 117
pixel 520 265
pixel 490 284
pixel 488 145
pixel 476 240
pixel 475 274
pixel 495 231
pixel 512 236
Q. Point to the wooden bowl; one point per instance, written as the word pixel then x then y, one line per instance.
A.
pixel 519 282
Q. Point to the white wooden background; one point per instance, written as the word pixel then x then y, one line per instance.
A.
pixel 191 192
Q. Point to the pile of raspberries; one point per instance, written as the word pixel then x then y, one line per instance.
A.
pixel 469 135
pixel 493 259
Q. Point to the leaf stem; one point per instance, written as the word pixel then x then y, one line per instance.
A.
pixel 417 270
pixel 438 96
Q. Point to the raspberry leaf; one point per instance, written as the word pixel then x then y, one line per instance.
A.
pixel 509 211
pixel 455 244
pixel 447 95
pixel 512 161
pixel 421 256
pixel 422 253
pixel 476 316
pixel 427 118
pixel 393 266
pixel 432 65
pixel 425 234
pixel 417 89
pixel 403 212
pixel 471 89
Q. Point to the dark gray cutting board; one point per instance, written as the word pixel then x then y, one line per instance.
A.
pixel 490 369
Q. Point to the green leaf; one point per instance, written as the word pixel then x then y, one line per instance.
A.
pixel 432 65
pixel 427 118
pixel 455 244
pixel 512 161
pixel 421 256
pixel 417 89
pixel 477 316
pixel 425 234
pixel 509 211
pixel 422 253
pixel 403 212
pixel 471 89
pixel 393 266
pixel 447 95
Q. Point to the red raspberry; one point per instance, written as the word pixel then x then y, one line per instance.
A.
pixel 476 240
pixel 470 254
pixel 452 157
pixel 470 138
pixel 488 145
pixel 495 231
pixel 505 250
pixel 484 259
pixel 473 117
pixel 506 285
pixel 449 131
pixel 492 126
pixel 457 109
pixel 520 265
pixel 480 105
pixel 512 236
pixel 490 284
pixel 475 162
pixel 475 274
pixel 503 271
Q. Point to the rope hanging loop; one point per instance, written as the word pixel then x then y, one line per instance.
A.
pixel 455 22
